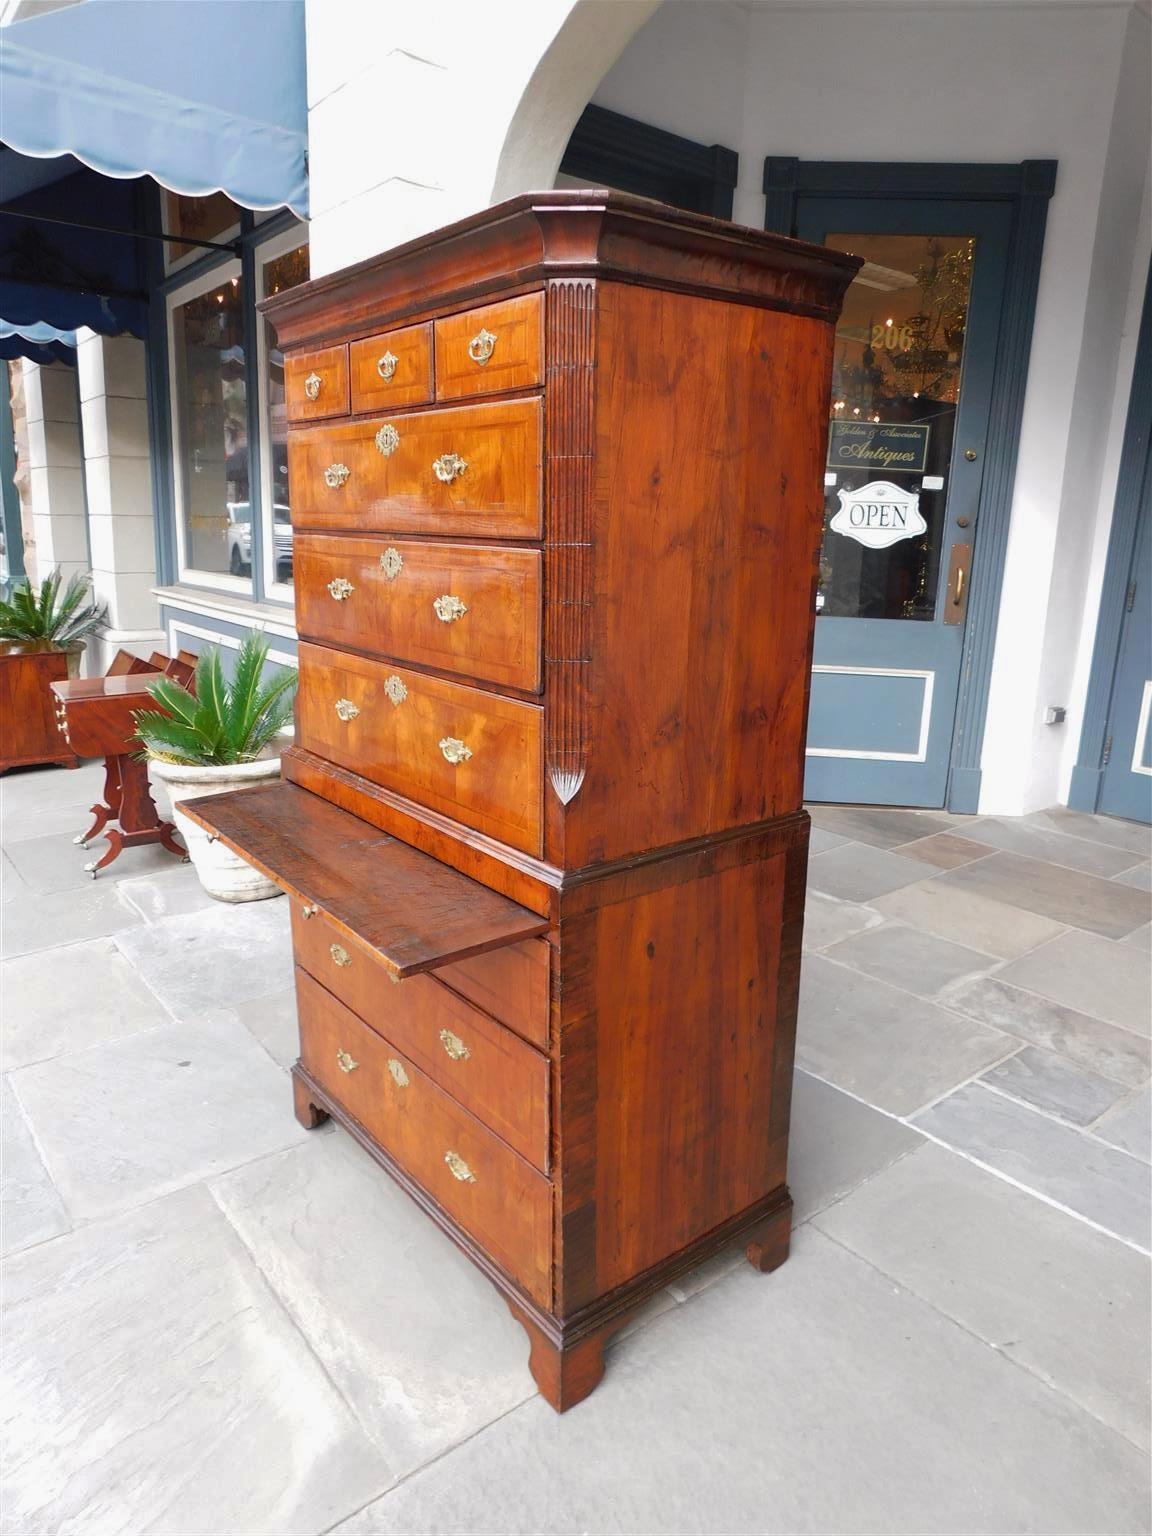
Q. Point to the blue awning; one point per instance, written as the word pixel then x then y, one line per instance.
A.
pixel 41 342
pixel 202 95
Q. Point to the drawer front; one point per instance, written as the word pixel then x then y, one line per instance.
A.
pixel 487 350
pixel 471 755
pixel 509 983
pixel 485 1067
pixel 473 469
pixel 316 384
pixel 491 1191
pixel 392 369
pixel 465 608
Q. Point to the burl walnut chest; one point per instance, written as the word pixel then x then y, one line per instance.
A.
pixel 557 495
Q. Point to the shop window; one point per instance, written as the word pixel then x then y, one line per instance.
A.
pixel 214 217
pixel 282 264
pixel 209 385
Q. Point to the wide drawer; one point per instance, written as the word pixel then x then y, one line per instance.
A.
pixel 490 1190
pixel 466 608
pixel 502 1081
pixel 482 351
pixel 316 384
pixel 470 469
pixel 472 755
pixel 392 369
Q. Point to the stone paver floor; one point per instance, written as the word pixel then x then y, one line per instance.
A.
pixel 217 1324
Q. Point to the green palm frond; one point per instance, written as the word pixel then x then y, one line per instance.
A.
pixel 43 614
pixel 223 722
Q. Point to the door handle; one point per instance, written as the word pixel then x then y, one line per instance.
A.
pixel 959 569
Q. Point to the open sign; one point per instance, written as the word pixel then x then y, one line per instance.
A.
pixel 878 514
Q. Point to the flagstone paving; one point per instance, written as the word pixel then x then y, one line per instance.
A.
pixel 218 1325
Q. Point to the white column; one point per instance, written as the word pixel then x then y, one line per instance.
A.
pixel 121 527
pixel 55 475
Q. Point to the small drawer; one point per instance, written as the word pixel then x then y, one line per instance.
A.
pixel 490 1190
pixel 510 983
pixel 484 1066
pixel 392 369
pixel 471 755
pixel 316 384
pixel 487 350
pixel 471 470
pixel 465 608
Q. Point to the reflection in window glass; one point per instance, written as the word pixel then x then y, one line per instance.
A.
pixel 895 391
pixel 202 218
pixel 280 272
pixel 210 401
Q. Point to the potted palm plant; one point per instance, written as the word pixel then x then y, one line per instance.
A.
pixel 220 736
pixel 42 632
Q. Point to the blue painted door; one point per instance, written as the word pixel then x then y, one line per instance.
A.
pixel 1126 783
pixel 912 386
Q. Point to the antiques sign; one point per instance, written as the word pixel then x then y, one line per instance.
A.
pixel 882 445
pixel 878 514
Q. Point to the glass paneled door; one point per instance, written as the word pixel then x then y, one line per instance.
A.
pixel 911 390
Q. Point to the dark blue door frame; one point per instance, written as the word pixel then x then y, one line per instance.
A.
pixel 1131 484
pixel 1027 187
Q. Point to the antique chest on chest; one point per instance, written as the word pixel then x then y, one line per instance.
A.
pixel 556 479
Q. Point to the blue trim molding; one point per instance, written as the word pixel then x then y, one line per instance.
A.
pixel 1027 186
pixel 1088 774
pixel 609 149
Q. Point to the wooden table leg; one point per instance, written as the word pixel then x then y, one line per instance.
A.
pixel 136 812
pixel 109 810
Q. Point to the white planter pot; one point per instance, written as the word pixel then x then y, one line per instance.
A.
pixel 223 874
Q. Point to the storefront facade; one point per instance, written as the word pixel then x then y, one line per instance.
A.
pixel 978 635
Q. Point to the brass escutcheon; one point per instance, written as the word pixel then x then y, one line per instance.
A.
pixel 340 954
pixel 345 1062
pixel 395 689
pixel 391 563
pixel 449 467
pixel 458 1168
pixel 449 608
pixel 482 346
pixel 340 588
pixel 346 710
pixel 454 1046
pixel 336 475
pixel 312 385
pixel 454 749
pixel 386 366
pixel 399 1076
pixel 387 439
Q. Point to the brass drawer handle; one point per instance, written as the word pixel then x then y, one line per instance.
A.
pixel 312 386
pixel 346 710
pixel 345 1062
pixel 458 1168
pixel 449 467
pixel 454 1046
pixel 340 588
pixel 340 954
pixel 386 366
pixel 482 346
pixel 449 608
pixel 454 749
pixel 307 912
pixel 399 1076
pixel 336 475
pixel 395 689
pixel 387 440
pixel 391 563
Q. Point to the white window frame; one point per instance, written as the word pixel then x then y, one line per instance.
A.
pixel 220 580
pixel 269 250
